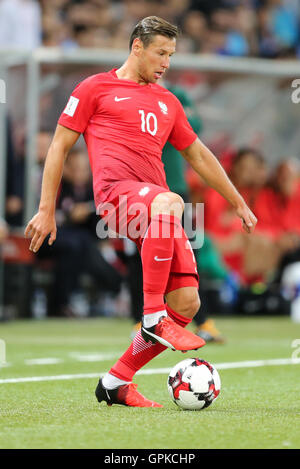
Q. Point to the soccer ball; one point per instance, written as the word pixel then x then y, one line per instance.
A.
pixel 194 384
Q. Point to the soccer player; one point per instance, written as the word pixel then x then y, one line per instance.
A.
pixel 126 119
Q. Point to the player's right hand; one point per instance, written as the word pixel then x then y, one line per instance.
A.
pixel 38 228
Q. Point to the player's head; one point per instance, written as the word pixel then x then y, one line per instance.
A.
pixel 152 43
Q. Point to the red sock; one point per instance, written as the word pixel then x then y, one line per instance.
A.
pixel 182 321
pixel 140 352
pixel 157 253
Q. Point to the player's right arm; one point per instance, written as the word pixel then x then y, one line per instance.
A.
pixel 43 223
pixel 203 161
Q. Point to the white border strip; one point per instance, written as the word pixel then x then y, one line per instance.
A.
pixel 157 371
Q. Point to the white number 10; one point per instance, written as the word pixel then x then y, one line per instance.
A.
pixel 149 123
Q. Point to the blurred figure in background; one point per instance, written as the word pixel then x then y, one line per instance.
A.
pixel 174 164
pixel 194 29
pixel 278 207
pixel 249 173
pixel 272 256
pixel 230 24
pixel 249 269
pixel 267 28
pixel 20 24
pixel 14 180
pixel 76 249
pixel 3 230
pixel 278 28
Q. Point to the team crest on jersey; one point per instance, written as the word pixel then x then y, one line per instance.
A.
pixel 163 107
pixel 144 191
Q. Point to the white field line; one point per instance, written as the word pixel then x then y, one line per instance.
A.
pixel 88 357
pixel 158 371
pixel 94 357
pixel 43 361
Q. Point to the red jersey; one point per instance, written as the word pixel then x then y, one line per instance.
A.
pixel 125 126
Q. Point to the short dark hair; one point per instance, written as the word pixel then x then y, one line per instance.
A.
pixel 244 151
pixel 151 26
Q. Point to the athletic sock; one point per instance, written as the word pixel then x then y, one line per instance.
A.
pixel 141 352
pixel 182 321
pixel 110 381
pixel 138 354
pixel 156 254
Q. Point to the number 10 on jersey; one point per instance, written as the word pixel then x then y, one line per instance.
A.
pixel 148 122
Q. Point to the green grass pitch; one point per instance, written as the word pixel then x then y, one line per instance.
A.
pixel 258 407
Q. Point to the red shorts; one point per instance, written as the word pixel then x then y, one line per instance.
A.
pixel 127 213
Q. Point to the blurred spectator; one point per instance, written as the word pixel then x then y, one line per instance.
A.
pixel 76 249
pixel 44 139
pixel 278 28
pixel 194 27
pixel 14 181
pixel 277 208
pixel 275 246
pixel 20 24
pixel 268 28
pixel 248 173
pixel 227 21
pixel 4 231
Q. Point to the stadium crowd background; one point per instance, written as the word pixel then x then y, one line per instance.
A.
pixel 246 272
pixel 263 28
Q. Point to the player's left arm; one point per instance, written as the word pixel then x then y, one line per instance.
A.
pixel 208 167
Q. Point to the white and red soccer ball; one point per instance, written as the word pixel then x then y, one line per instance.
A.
pixel 194 384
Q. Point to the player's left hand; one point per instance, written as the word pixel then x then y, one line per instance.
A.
pixel 42 224
pixel 248 218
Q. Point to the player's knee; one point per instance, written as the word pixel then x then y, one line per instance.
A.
pixel 187 305
pixel 191 307
pixel 167 202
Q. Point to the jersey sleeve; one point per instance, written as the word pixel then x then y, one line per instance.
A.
pixel 80 107
pixel 182 135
